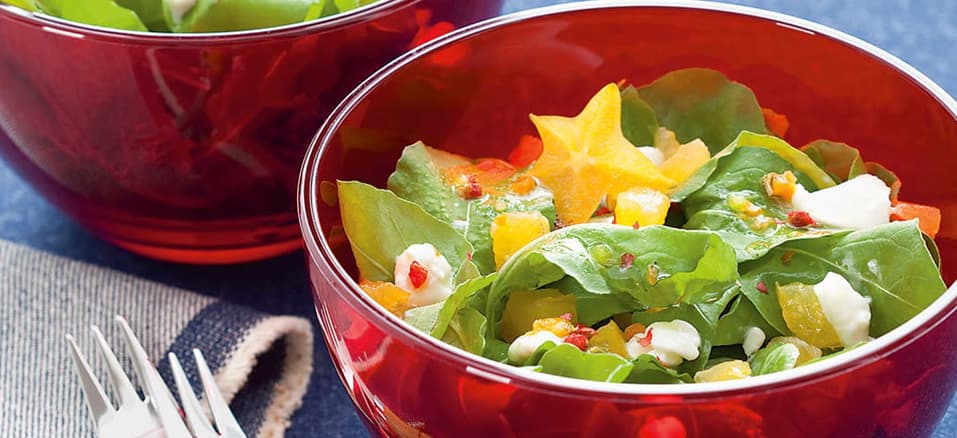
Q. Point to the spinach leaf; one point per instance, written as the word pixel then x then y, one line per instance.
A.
pixel 155 14
pixel 419 178
pixel 592 307
pixel 648 370
pixel 741 316
pixel 104 13
pixel 567 360
pixel 891 264
pixel 703 103
pixel 670 266
pixel 844 162
pixel 231 15
pixel 456 302
pixel 466 330
pixel 638 121
pixel 380 226
pixel 703 316
pixel 28 5
pixel 424 318
pixel 536 357
pixel 738 173
pixel 773 358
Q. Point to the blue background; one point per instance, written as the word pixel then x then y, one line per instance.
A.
pixel 923 33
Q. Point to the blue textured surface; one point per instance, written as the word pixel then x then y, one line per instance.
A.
pixel 923 33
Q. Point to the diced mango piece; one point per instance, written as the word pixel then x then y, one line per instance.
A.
pixel 388 295
pixel 609 338
pixel 781 185
pixel 730 370
pixel 524 307
pixel 686 161
pixel 559 326
pixel 807 351
pixel 804 315
pixel 633 330
pixel 642 207
pixel 511 231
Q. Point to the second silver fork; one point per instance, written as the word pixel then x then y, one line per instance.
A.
pixel 158 415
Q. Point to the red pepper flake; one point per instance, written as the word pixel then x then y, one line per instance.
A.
pixel 763 288
pixel 787 256
pixel 584 330
pixel 646 341
pixel 635 225
pixel 472 189
pixel 627 259
pixel 418 274
pixel 567 316
pixel 602 211
pixel 800 219
pixel 559 223
pixel 577 340
pixel 469 255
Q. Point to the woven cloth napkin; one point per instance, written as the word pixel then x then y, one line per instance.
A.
pixel 262 363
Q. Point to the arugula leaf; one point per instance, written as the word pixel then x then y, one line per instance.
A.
pixel 466 330
pixel 567 360
pixel 638 121
pixel 104 13
pixel 670 266
pixel 773 358
pixel 703 103
pixel 703 316
pixel 738 173
pixel 231 15
pixel 891 264
pixel 380 226
pixel 456 302
pixel 741 316
pixel 648 370
pixel 418 178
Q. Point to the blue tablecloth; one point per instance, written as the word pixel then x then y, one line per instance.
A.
pixel 922 32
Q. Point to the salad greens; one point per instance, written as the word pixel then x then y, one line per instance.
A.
pixel 707 272
pixel 183 16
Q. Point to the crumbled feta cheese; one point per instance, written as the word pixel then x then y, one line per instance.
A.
pixel 654 154
pixel 859 203
pixel 523 347
pixel 671 342
pixel 753 340
pixel 847 311
pixel 438 283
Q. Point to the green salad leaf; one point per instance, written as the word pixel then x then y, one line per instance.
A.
pixel 466 330
pixel 104 13
pixel 741 316
pixel 232 15
pixel 737 173
pixel 638 121
pixel 773 358
pixel 703 103
pixel 648 370
pixel 424 318
pixel 29 5
pixel 155 14
pixel 567 360
pixel 891 264
pixel 380 226
pixel 418 178
pixel 844 162
pixel 458 301
pixel 669 266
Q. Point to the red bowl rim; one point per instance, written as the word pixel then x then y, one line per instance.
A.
pixel 320 252
pixel 73 29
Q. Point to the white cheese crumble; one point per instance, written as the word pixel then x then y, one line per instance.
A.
pixel 438 284
pixel 847 311
pixel 523 347
pixel 753 340
pixel 859 203
pixel 670 342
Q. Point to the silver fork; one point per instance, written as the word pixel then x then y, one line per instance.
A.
pixel 158 415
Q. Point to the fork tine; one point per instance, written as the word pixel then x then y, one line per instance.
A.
pixel 95 397
pixel 160 397
pixel 197 419
pixel 225 421
pixel 118 379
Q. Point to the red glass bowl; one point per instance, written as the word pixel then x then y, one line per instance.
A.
pixel 187 147
pixel 470 92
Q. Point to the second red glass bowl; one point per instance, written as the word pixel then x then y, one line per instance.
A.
pixel 471 93
pixel 187 147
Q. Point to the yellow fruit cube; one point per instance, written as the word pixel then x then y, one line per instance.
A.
pixel 388 295
pixel 559 326
pixel 730 370
pixel 686 161
pixel 804 315
pixel 642 207
pixel 511 231
pixel 807 351
pixel 609 338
